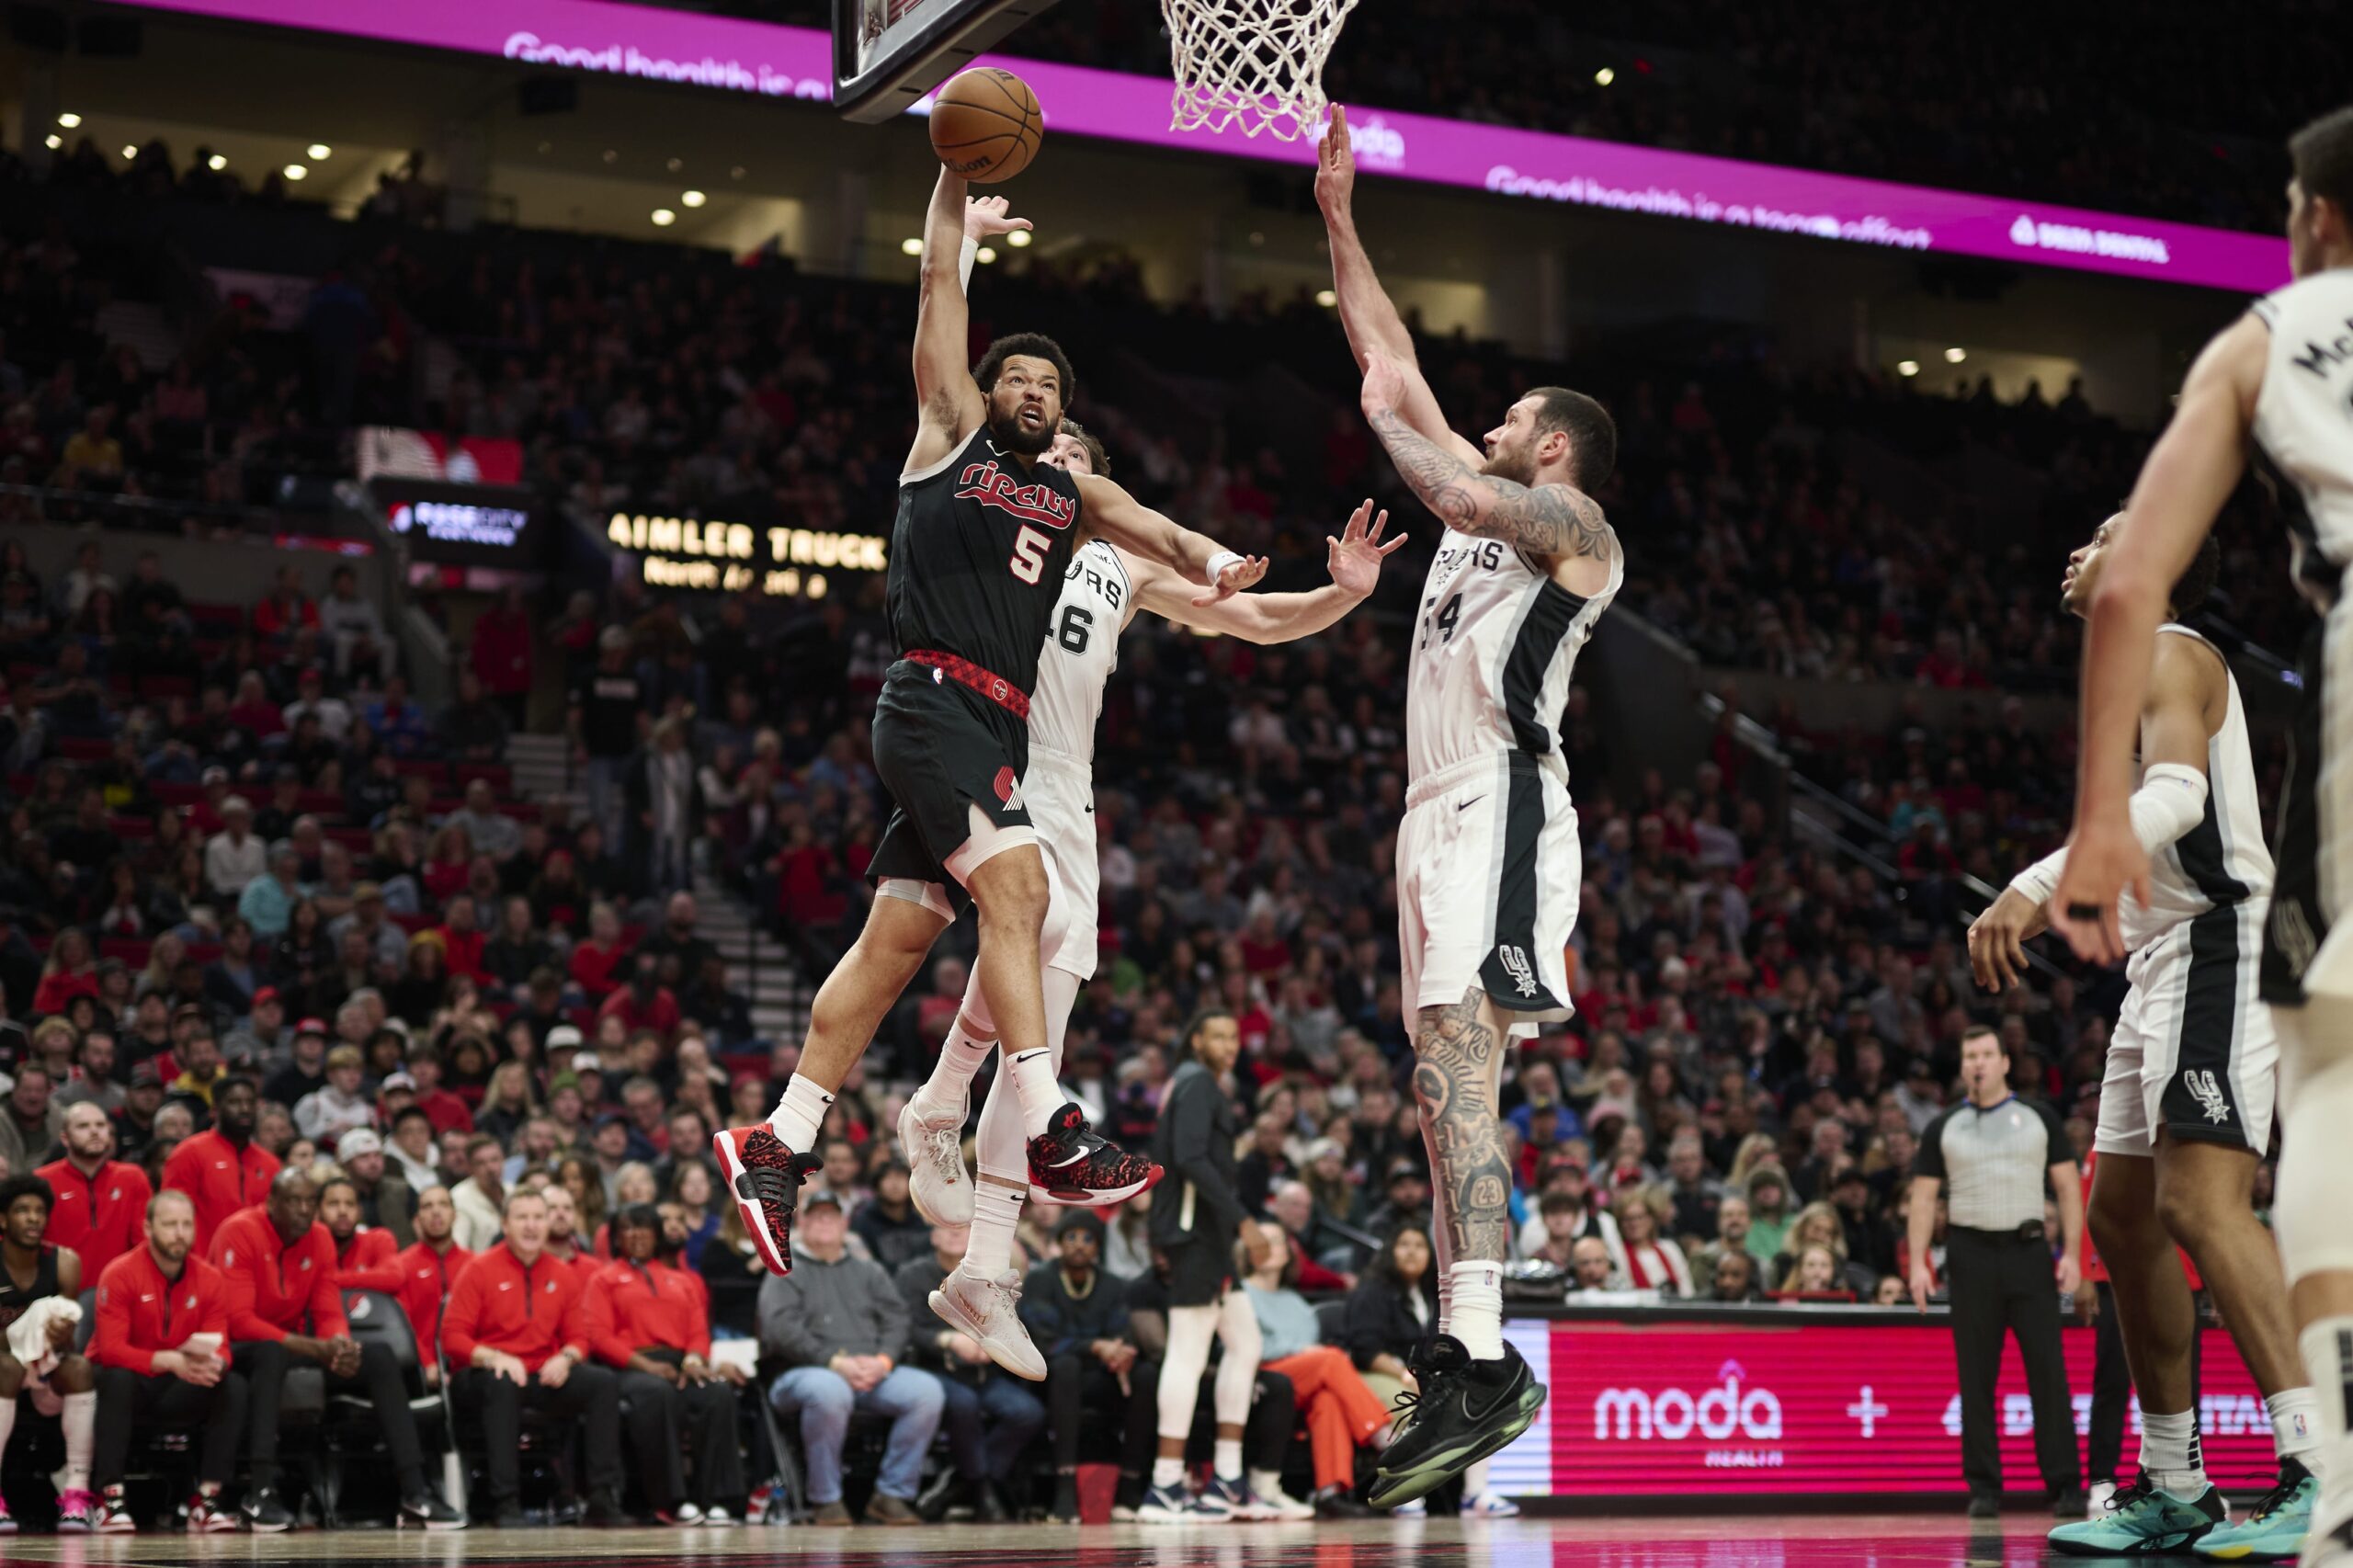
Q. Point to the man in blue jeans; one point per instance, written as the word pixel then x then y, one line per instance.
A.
pixel 840 1321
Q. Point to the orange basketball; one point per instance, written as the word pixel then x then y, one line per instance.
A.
pixel 985 125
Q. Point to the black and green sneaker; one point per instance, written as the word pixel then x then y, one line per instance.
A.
pixel 1465 1410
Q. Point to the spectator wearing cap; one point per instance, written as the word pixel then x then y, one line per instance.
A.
pixel 385 1201
pixel 234 857
pixel 1078 1317
pixel 1405 1195
pixel 839 1325
pixel 482 1194
pixel 446 1107
pixel 223 1170
pixel 411 1150
pixel 134 1122
pixel 306 1072
pixel 263 1035
pixel 325 1114
pixel 100 1201
pixel 268 901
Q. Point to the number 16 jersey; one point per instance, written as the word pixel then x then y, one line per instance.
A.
pixel 1494 645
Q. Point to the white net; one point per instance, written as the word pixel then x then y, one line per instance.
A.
pixel 1258 61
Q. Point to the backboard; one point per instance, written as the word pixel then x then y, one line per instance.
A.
pixel 888 53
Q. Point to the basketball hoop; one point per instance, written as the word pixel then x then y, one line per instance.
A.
pixel 1259 62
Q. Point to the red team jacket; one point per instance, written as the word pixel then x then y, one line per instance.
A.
pixel 426 1277
pixel 274 1286
pixel 99 1216
pixel 368 1261
pixel 627 1307
pixel 140 1311
pixel 529 1313
pixel 219 1179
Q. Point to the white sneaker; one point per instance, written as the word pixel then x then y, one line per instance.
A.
pixel 1490 1504
pixel 1418 1508
pixel 1279 1503
pixel 989 1310
pixel 688 1514
pixel 718 1519
pixel 2100 1492
pixel 936 1180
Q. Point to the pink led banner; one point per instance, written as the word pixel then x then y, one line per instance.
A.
pixel 795 62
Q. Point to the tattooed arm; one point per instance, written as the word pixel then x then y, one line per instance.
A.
pixel 1546 520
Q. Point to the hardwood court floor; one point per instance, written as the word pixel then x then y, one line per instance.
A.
pixel 1774 1540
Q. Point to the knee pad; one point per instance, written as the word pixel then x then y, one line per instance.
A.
pixel 2315 1162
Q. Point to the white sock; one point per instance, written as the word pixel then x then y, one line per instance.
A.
pixel 2327 1344
pixel 1478 1308
pixel 947 1089
pixel 2295 1424
pixel 800 1114
pixel 1168 1473
pixel 996 1214
pixel 80 1420
pixel 2169 1452
pixel 1266 1483
pixel 1033 1084
pixel 1228 1460
pixel 1475 1481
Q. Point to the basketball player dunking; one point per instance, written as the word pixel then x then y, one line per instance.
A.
pixel 1488 867
pixel 1101 592
pixel 2275 385
pixel 2185 1106
pixel 984 536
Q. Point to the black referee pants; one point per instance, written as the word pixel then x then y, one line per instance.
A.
pixel 2003 1285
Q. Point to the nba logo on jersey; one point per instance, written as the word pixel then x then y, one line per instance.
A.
pixel 2208 1094
pixel 1515 964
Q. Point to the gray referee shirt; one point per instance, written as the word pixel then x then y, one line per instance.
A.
pixel 1993 1162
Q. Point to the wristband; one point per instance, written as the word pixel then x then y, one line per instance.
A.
pixel 1220 562
pixel 965 254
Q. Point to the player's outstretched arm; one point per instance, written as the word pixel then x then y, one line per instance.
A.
pixel 2188 475
pixel 986 217
pixel 1367 313
pixel 948 405
pixel 1545 520
pixel 1355 558
pixel 1108 510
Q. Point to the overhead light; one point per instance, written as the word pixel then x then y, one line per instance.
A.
pixel 319 151
pixel 1325 297
pixel 1907 367
pixel 691 199
pixel 911 245
pixel 985 254
pixel 1604 77
pixel 216 162
pixel 1955 356
pixel 611 156
pixel 131 149
pixel 663 217
pixel 297 171
pixel 1018 239
pixel 735 173
pixel 54 142
pixel 675 165
pixel 69 120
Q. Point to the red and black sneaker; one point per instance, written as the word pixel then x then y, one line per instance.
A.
pixel 766 1179
pixel 1071 1163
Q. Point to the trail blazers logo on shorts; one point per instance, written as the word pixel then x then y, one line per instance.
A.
pixel 1008 789
pixel 1515 964
pixel 2208 1093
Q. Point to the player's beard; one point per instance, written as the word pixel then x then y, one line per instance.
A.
pixel 1006 428
pixel 1514 464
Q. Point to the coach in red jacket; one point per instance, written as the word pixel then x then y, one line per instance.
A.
pixel 223 1170
pixel 650 1320
pixel 513 1336
pixel 101 1209
pixel 278 1263
pixel 429 1268
pixel 151 1301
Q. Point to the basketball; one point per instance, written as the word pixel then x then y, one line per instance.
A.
pixel 985 125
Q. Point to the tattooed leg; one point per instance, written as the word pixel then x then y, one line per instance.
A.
pixel 1459 1058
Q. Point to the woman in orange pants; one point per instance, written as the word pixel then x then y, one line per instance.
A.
pixel 1343 1414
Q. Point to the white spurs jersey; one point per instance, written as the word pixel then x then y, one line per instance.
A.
pixel 2221 861
pixel 1081 650
pixel 2304 419
pixel 1492 648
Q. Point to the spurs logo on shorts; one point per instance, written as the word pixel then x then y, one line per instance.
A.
pixel 2208 1093
pixel 1515 964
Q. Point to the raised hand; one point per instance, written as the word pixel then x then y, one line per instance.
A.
pixel 1354 558
pixel 1335 164
pixel 1235 577
pixel 984 218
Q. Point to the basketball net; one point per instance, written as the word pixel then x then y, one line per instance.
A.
pixel 1258 61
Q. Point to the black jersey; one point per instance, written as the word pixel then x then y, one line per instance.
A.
pixel 977 557
pixel 17 1300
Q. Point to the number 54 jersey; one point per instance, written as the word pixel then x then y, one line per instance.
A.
pixel 1489 868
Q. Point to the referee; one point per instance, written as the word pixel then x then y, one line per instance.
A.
pixel 1998 1152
